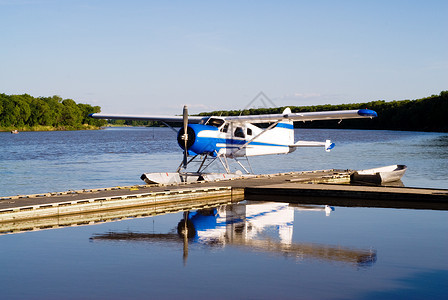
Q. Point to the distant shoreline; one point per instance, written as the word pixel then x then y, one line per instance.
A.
pixel 425 115
pixel 26 113
pixel 48 128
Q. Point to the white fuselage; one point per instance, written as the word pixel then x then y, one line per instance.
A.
pixel 245 139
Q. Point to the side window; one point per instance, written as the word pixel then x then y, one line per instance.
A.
pixel 249 131
pixel 225 128
pixel 239 132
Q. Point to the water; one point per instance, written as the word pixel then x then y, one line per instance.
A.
pixel 39 162
pixel 247 250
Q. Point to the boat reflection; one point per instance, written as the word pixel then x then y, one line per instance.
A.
pixel 256 226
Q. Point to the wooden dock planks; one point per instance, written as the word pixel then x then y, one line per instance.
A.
pixel 313 187
pixel 352 195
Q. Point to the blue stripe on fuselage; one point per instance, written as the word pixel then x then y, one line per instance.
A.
pixel 209 145
pixel 203 145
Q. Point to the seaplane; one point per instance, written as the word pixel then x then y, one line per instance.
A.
pixel 205 139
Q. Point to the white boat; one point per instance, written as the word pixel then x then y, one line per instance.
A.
pixel 379 175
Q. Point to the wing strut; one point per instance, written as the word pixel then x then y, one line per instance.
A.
pixel 250 141
pixel 169 126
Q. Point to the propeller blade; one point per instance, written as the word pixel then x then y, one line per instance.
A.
pixel 185 137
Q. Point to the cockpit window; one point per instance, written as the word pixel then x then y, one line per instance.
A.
pixel 215 122
pixel 249 131
pixel 225 128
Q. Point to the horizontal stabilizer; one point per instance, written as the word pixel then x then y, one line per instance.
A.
pixel 327 144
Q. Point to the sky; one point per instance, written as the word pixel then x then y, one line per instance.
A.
pixel 152 57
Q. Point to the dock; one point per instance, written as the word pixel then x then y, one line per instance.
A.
pixel 352 195
pixel 328 187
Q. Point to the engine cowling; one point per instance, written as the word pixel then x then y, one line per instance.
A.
pixel 199 143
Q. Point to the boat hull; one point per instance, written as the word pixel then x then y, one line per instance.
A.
pixel 379 175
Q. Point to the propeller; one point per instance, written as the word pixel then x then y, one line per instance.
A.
pixel 185 135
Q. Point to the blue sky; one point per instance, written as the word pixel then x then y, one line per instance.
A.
pixel 152 57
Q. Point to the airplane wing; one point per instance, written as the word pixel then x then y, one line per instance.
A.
pixel 305 116
pixel 267 118
pixel 168 119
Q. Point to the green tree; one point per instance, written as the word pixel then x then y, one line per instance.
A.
pixel 21 111
pixel 71 114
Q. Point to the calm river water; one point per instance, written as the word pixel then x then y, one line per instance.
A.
pixel 242 251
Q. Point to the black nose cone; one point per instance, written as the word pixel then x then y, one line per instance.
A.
pixel 191 137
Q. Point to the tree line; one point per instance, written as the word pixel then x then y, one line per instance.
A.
pixel 25 112
pixel 427 114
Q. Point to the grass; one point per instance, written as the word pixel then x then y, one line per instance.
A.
pixel 49 128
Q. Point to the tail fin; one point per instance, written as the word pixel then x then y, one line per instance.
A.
pixel 286 136
pixel 329 145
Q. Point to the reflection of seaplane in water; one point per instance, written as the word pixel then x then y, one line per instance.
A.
pixel 249 220
pixel 206 139
pixel 257 226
